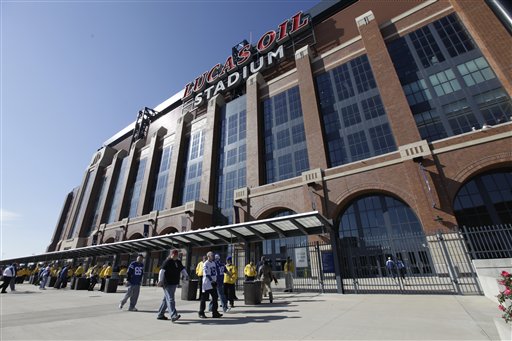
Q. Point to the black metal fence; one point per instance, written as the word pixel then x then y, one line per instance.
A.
pixel 488 242
pixel 408 264
pixel 400 264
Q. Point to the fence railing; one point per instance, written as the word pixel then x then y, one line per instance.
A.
pixel 487 242
pixel 440 263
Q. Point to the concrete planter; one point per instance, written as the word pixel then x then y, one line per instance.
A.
pixel 504 329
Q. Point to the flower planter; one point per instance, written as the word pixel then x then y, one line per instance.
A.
pixel 504 329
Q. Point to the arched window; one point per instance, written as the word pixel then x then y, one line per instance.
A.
pixel 485 200
pixel 375 228
pixel 377 215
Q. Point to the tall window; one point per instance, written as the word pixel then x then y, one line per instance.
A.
pixel 355 122
pixel 81 205
pixel 162 179
pixel 135 188
pixel 485 200
pixel 232 158
pixel 118 188
pixel 446 78
pixel 193 168
pixel 286 154
pixel 98 199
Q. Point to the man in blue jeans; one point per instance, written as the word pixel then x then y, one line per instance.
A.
pixel 168 279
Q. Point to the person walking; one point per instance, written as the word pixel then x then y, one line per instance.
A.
pixel 209 287
pixel 401 268
pixel 103 276
pixel 289 270
pixel 93 276
pixel 266 276
pixel 63 277
pixel 221 270
pixel 45 273
pixel 133 282
pixel 230 278
pixel 9 275
pixel 168 279
pixel 390 265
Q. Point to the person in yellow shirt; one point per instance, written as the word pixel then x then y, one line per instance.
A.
pixel 289 269
pixel 250 271
pixel 106 272
pixel 156 271
pixel 122 273
pixel 93 276
pixel 230 277
pixel 79 271
pixel 199 273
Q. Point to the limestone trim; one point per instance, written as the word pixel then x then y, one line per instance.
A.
pixel 336 49
pixel 471 143
pixel 413 150
pixel 475 167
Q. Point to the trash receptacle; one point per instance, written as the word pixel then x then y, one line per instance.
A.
pixel 82 283
pixel 189 290
pixel 252 292
pixel 72 282
pixel 111 285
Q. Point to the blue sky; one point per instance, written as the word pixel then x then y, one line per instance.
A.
pixel 74 73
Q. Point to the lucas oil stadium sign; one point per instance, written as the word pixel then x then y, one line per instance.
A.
pixel 244 62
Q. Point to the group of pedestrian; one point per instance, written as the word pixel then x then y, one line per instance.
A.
pixel 396 267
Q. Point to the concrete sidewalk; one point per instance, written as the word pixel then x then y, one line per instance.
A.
pixel 31 314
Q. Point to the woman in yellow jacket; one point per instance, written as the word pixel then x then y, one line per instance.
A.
pixel 250 271
pixel 230 278
pixel 199 273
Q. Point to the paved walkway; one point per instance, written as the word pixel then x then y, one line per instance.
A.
pixel 31 314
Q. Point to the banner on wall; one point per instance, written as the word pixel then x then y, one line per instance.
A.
pixel 301 257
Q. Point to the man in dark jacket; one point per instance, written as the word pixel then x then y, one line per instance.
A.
pixel 169 278
pixel 9 275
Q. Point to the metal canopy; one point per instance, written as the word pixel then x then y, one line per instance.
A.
pixel 301 224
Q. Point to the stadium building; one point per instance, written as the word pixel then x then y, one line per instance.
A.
pixel 345 125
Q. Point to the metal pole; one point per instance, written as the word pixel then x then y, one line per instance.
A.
pixel 448 260
pixel 336 258
pixel 320 273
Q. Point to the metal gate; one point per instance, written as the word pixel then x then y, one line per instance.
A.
pixel 408 264
pixel 432 264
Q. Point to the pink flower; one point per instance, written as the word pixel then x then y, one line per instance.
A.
pixel 505 274
pixel 507 292
pixel 501 307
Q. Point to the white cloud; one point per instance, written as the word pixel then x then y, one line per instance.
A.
pixel 8 216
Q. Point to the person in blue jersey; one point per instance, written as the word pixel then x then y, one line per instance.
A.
pixel 63 276
pixel 209 287
pixel 221 270
pixel 169 278
pixel 133 282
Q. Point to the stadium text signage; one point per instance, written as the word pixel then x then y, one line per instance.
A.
pixel 237 68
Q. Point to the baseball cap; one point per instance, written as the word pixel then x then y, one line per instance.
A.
pixel 174 252
pixel 217 256
pixel 229 258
